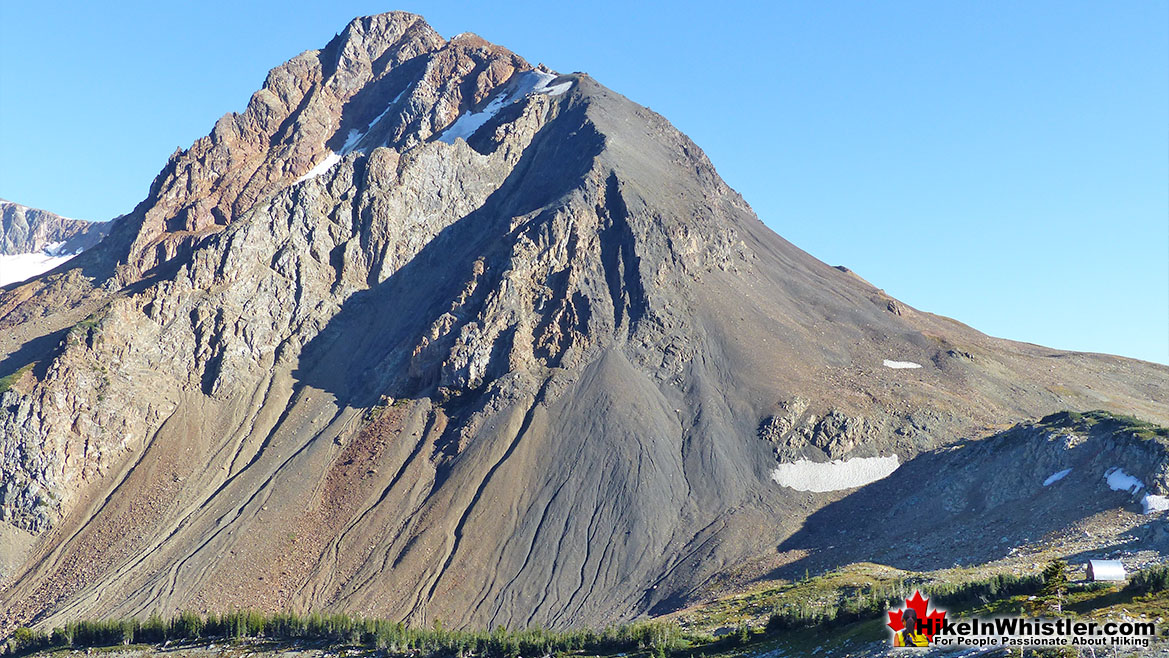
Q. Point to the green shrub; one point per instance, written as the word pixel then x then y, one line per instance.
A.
pixel 874 601
pixel 25 640
pixel 7 381
pixel 187 626
pixel 153 630
pixel 1149 580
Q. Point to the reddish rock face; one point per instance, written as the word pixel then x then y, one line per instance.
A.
pixel 306 106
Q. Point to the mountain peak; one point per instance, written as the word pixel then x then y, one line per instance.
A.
pixel 307 108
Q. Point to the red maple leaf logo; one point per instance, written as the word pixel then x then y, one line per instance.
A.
pixel 920 606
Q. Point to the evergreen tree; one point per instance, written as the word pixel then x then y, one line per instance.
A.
pixel 1055 586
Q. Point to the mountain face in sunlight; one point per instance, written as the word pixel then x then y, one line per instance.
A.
pixel 430 333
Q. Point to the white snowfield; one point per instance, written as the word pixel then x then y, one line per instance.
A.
pixel 525 84
pixel 321 167
pixel 469 122
pixel 351 140
pixel 1118 480
pixel 804 475
pixel 1056 477
pixel 1153 503
pixel 19 267
pixel 900 365
pixel 355 136
pixel 57 249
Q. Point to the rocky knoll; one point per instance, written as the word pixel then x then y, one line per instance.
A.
pixel 430 333
pixel 979 501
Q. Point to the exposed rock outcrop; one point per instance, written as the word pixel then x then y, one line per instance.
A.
pixel 978 501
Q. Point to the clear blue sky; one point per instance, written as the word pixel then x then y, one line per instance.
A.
pixel 1003 163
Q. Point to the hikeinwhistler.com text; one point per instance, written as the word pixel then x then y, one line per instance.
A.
pixel 1031 632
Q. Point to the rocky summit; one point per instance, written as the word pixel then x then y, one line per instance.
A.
pixel 430 333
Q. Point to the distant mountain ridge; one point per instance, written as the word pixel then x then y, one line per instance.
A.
pixel 25 230
pixel 431 333
pixel 34 241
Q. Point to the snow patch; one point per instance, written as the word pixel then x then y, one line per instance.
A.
pixel 57 249
pixel 322 167
pixel 804 475
pixel 522 85
pixel 19 267
pixel 386 111
pixel 556 90
pixel 537 82
pixel 355 136
pixel 1118 480
pixel 1151 503
pixel 1056 477
pixel 900 365
pixel 469 122
pixel 351 141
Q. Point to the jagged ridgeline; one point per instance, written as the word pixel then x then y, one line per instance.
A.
pixel 430 333
pixel 25 230
pixel 34 241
